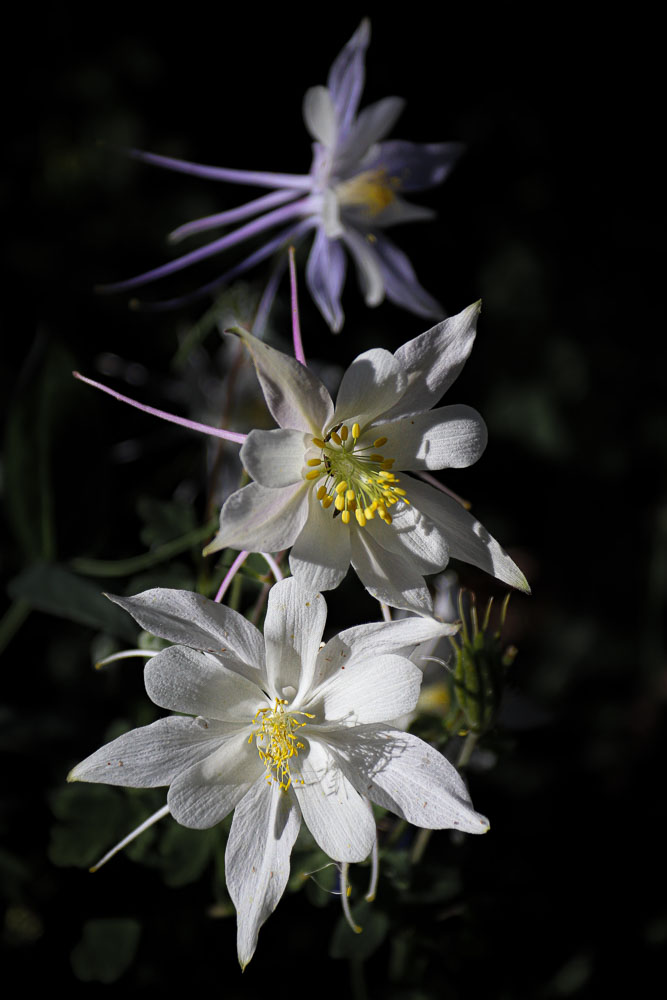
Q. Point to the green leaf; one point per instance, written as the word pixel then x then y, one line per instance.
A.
pixel 185 853
pixel 91 819
pixel 106 949
pixel 55 590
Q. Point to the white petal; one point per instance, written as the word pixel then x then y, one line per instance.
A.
pixel 293 628
pixel 257 859
pixel 275 458
pixel 294 395
pixel 319 116
pixel 369 271
pixel 320 557
pixel 375 690
pixel 261 519
pixel 399 211
pixel 433 361
pixel 192 620
pixel 204 794
pixel 450 437
pixel 339 818
pixel 185 680
pixel 407 776
pixel 468 540
pixel 372 124
pixel 413 536
pixel 152 755
pixel 389 577
pixel 363 642
pixel 370 385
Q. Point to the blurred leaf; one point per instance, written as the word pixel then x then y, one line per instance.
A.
pixel 374 923
pixel 59 592
pixel 164 520
pixel 106 949
pixel 92 818
pixel 186 853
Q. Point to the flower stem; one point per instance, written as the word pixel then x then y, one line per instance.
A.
pixel 136 564
pixel 296 326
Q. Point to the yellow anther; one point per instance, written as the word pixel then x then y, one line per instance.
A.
pixel 335 438
pixel 313 474
pixel 351 504
pixel 369 513
pixel 314 461
pixel 386 518
pixel 345 517
pixel 398 490
pixel 327 502
pixel 339 502
pixel 322 492
pixel 349 494
pixel 359 514
pixel 341 487
pixel 376 458
pixel 318 442
pixel 379 442
pixel 344 432
pixel 385 475
pixel 388 463
pixel 356 431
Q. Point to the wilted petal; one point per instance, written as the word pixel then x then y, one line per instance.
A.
pixel 415 166
pixel 389 577
pixel 346 76
pixel 276 458
pixel 320 556
pixel 380 688
pixel 468 539
pixel 450 437
pixel 369 386
pixel 401 773
pixel 261 519
pixel 152 755
pixel 257 859
pixel 339 818
pixel 185 680
pixel 192 620
pixel 325 277
pixel 204 794
pixel 295 397
pixel 293 628
pixel 433 361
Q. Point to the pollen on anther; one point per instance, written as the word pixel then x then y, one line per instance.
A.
pixel 379 442
pixel 345 516
pixel 356 431
pixel 318 442
pixel 344 432
pixel 313 474
pixel 321 492
pixel 314 461
pixel 336 438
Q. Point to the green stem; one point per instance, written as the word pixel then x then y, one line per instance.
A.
pixel 11 621
pixel 135 564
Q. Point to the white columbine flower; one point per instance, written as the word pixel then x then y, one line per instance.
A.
pixel 283 730
pixel 331 481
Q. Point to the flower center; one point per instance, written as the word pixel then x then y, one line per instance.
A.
pixel 371 190
pixel 276 740
pixel 357 479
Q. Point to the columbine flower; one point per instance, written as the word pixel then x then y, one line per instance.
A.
pixel 283 731
pixel 331 482
pixel 352 193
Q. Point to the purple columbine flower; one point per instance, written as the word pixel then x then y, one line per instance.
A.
pixel 351 195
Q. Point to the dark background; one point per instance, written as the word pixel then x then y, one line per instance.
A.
pixel 551 218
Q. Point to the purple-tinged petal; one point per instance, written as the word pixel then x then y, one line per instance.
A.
pixel 400 281
pixel 433 360
pixel 346 76
pixel 261 519
pixel 415 166
pixel 257 178
pixel 232 215
pixel 257 859
pixel 274 218
pixel 325 277
pixel 372 124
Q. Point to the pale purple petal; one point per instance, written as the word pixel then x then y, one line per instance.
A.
pixel 232 215
pixel 372 124
pixel 325 277
pixel 257 178
pixel 415 166
pixel 261 519
pixel 346 76
pixel 400 281
pixel 257 859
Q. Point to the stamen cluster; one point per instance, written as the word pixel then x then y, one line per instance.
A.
pixel 276 742
pixel 371 190
pixel 355 482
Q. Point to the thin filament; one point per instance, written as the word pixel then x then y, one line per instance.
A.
pixel 125 654
pixel 231 573
pixel 164 811
pixel 296 326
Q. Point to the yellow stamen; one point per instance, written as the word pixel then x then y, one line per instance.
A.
pixel 345 517
pixel 322 492
pixel 314 461
pixel 318 442
pixel 359 514
pixel 349 494
pixel 339 502
pixel 344 432
pixel 379 442
pixel 327 502
pixel 336 438
pixel 356 431
pixel 313 474
pixel 341 487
